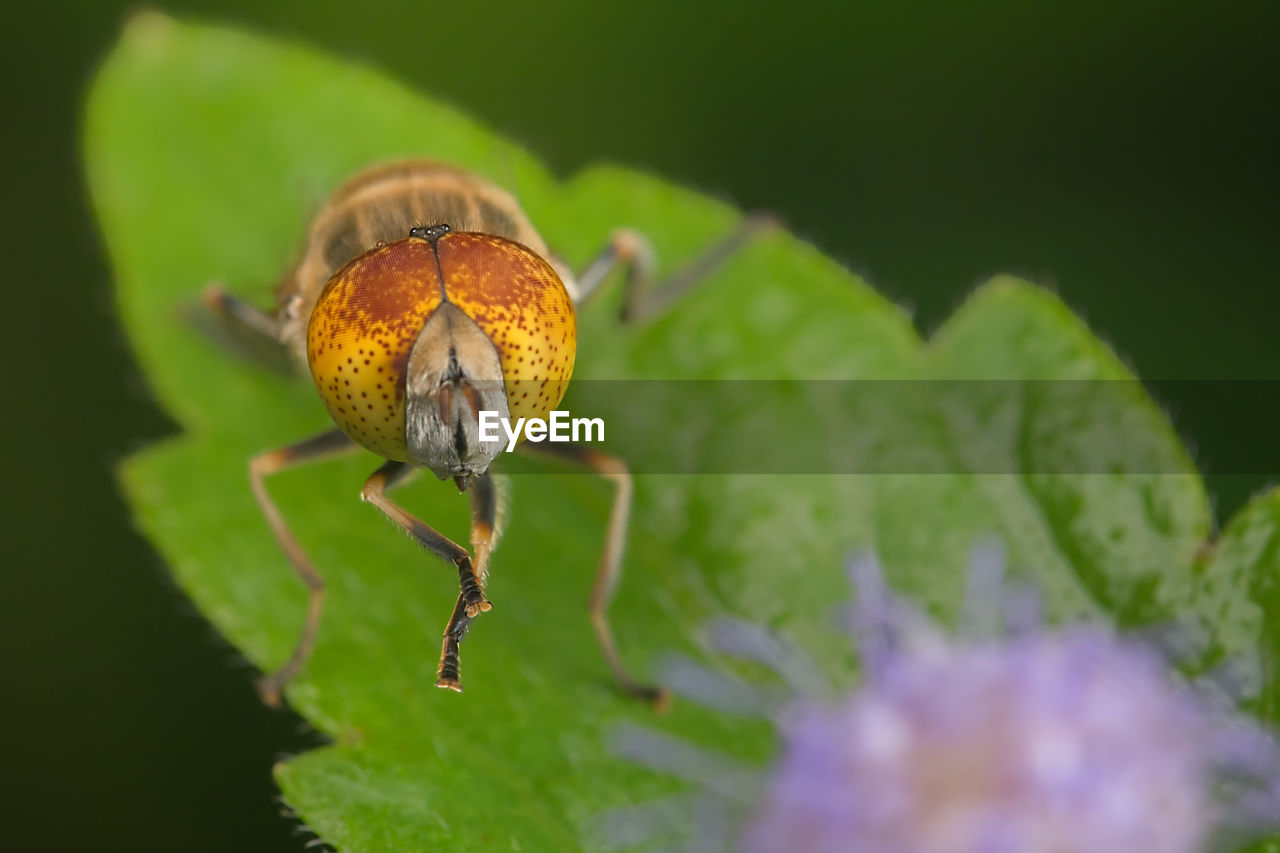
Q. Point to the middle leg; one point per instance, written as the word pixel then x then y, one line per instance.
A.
pixel 609 570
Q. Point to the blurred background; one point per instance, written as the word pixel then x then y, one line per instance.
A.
pixel 1128 155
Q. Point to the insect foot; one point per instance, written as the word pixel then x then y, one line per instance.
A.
pixel 269 691
pixel 658 697
pixel 472 594
pixel 448 675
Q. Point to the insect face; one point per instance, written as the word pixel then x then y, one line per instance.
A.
pixel 410 340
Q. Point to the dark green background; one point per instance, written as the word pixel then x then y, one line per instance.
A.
pixel 1128 155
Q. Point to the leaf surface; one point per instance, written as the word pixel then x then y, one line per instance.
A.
pixel 208 149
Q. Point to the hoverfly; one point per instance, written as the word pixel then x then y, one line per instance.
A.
pixel 423 296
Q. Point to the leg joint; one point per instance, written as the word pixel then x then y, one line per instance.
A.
pixel 373 489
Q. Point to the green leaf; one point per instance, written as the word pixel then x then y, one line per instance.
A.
pixel 1237 603
pixel 208 149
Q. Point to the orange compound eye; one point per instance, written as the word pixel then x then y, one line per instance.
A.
pixel 518 300
pixel 369 316
pixel 361 332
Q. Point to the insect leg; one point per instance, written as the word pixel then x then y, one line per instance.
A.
pixel 485 531
pixel 236 312
pixel 642 297
pixel 392 474
pixel 261 466
pixel 484 523
pixel 609 571
pixel 447 673
pixel 242 329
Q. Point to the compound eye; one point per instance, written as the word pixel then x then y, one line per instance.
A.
pixel 519 301
pixel 359 338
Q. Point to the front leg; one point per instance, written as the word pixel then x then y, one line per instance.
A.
pixel 448 671
pixel 472 573
pixel 486 507
pixel 393 474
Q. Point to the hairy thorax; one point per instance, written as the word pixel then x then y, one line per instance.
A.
pixel 381 205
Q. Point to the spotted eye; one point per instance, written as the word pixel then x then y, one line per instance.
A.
pixel 518 300
pixel 362 330
pixel 370 314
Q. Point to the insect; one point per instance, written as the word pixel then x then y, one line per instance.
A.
pixel 423 296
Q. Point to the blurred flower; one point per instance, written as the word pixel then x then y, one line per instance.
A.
pixel 1009 739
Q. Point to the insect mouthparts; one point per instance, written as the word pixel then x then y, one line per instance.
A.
pixel 429 232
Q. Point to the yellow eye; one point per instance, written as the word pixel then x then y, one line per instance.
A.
pixel 370 314
pixel 361 332
pixel 521 304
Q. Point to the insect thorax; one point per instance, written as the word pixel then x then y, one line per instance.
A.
pixel 381 204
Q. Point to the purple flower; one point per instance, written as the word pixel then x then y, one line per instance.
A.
pixel 1012 739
